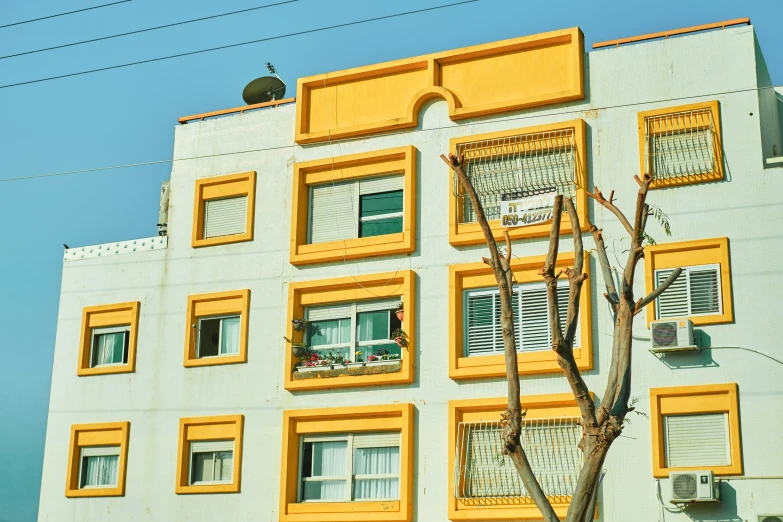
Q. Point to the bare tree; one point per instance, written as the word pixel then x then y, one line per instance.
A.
pixel 602 426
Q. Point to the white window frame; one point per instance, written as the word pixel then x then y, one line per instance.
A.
pixel 220 335
pixel 110 330
pixel 204 482
pixel 686 271
pixel 111 451
pixel 354 342
pixel 349 477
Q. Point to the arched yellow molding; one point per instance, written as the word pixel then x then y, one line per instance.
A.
pixel 484 79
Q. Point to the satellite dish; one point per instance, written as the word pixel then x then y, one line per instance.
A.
pixel 264 89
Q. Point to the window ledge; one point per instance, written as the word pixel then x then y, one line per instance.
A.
pixel 325 372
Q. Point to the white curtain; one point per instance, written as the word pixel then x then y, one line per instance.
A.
pixel 329 460
pixel 224 465
pixel 212 466
pixel 336 331
pixel 109 349
pixel 377 461
pixel 229 342
pixel 100 470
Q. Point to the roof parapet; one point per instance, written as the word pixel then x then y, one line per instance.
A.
pixel 673 32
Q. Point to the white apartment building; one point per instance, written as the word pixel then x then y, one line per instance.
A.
pixel 175 397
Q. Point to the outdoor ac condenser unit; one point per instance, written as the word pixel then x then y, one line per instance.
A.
pixel 672 335
pixel 693 486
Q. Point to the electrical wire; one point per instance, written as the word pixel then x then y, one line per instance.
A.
pixel 63 14
pixel 147 29
pixel 386 134
pixel 230 46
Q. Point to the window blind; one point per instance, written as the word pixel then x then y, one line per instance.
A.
pixel 100 451
pixel 206 446
pixel 326 313
pixel 695 292
pixel 696 440
pixel 382 184
pixel 225 217
pixel 376 440
pixel 375 306
pixel 333 212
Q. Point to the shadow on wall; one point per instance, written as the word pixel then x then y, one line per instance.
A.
pixel 723 511
pixel 686 360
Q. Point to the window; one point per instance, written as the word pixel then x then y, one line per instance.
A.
pixel 99 467
pixel 224 209
pixel 363 208
pixel 356 466
pixel 681 145
pixel 702 292
pixel 209 458
pixel 696 427
pixel 356 330
pixel 109 346
pixel 517 163
pixel 217 328
pixel 483 333
pixel 108 339
pixel 97 458
pixel 211 462
pixel 352 317
pixel 475 337
pixel 354 206
pixel 352 463
pixel 695 292
pixel 483 484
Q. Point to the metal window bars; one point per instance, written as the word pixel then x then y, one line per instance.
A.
pixel 482 472
pixel 680 144
pixel 517 166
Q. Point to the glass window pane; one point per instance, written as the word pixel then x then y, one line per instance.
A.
pixel 329 458
pixel 208 337
pixel 100 471
pixel 202 467
pixel 373 326
pixel 380 350
pixel 229 336
pixel 379 204
pixel 224 466
pixel 335 331
pixel 376 461
pixel 108 348
pixel 376 488
pixel 379 227
pixel 324 490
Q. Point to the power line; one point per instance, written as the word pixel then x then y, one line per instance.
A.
pixel 358 138
pixel 145 30
pixel 298 33
pixel 63 14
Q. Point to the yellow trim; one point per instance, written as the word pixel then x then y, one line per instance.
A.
pixel 472 410
pixel 119 314
pixel 691 253
pixel 461 234
pixel 392 417
pixel 345 289
pixel 715 175
pixel 478 275
pixel 398 160
pixel 223 427
pixel 103 434
pixel 711 398
pixel 217 187
pixel 518 73
pixel 217 303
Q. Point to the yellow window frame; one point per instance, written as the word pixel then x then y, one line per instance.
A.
pixel 100 434
pixel 715 175
pixel 119 314
pixel 323 421
pixel 221 427
pixel 350 289
pixel 473 410
pixel 711 398
pixel 400 160
pixel 461 234
pixel 214 304
pixel 218 187
pixel 691 253
pixel 478 275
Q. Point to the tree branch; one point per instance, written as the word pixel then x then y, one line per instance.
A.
pixel 652 296
pixel 607 203
pixel 606 267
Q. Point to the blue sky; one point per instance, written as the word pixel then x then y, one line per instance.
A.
pixel 127 116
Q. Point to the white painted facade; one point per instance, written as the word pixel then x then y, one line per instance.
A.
pixel 723 65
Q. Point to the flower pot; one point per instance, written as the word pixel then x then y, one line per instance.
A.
pixel 309 368
pixel 298 324
pixel 398 340
pixel 400 314
pixel 298 351
pixel 355 365
pixel 382 362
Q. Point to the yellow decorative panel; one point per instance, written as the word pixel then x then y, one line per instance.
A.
pixel 120 314
pixel 221 427
pixel 484 79
pixel 102 434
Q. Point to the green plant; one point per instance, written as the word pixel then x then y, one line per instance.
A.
pixel 297 344
pixel 400 336
pixel 359 357
pixel 400 307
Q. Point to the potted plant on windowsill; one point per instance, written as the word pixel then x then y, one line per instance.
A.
pixel 382 356
pixel 298 348
pixel 400 337
pixel 400 311
pixel 299 324
pixel 359 361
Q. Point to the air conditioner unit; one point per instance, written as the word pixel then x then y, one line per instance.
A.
pixel 672 335
pixel 693 486
pixel 771 518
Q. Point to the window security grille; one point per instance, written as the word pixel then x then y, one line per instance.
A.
pixel 334 207
pixel 484 336
pixel 696 292
pixel 225 217
pixel 481 470
pixel 517 166
pixel 680 144
pixel 696 440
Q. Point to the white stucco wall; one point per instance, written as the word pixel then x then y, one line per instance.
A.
pixel 621 82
